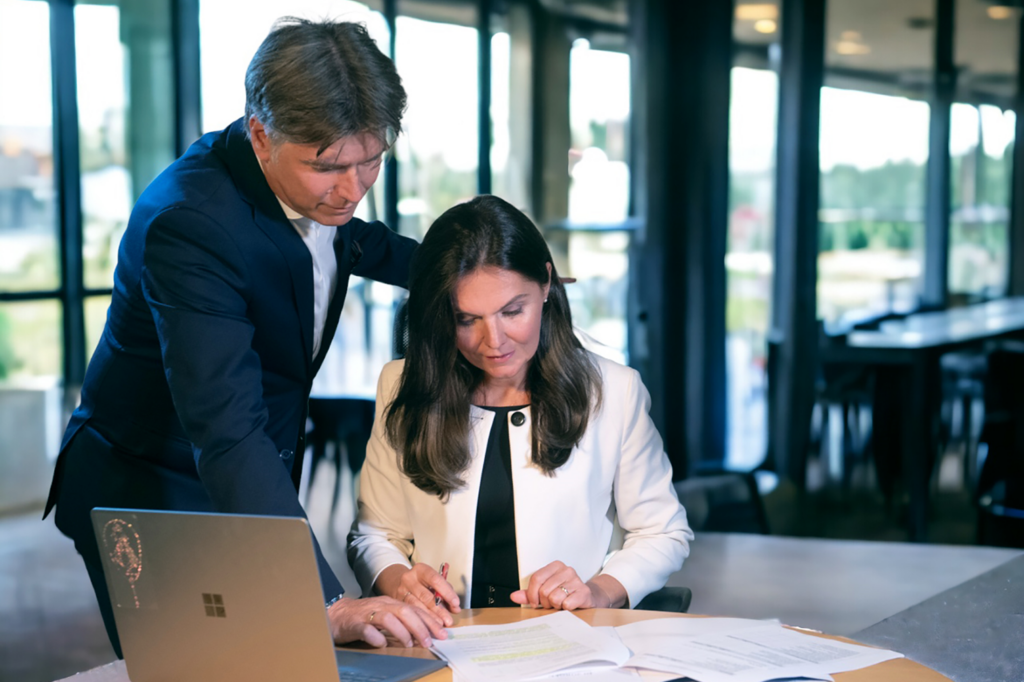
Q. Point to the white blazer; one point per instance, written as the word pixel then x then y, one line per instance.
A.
pixel 619 472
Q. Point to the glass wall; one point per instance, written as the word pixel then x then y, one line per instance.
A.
pixel 126 118
pixel 749 261
pixel 438 151
pixel 874 149
pixel 30 340
pixel 510 156
pixel 29 256
pixel 981 150
pixel 596 240
pixel 30 332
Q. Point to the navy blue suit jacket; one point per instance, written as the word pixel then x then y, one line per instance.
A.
pixel 195 398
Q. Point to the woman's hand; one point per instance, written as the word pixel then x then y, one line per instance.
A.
pixel 420 586
pixel 556 586
pixel 380 621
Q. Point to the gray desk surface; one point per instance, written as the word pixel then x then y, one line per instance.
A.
pixel 973 632
pixel 836 586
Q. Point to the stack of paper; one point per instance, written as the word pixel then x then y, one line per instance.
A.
pixel 703 649
pixel 529 648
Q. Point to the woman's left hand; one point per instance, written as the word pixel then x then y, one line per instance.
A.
pixel 557 586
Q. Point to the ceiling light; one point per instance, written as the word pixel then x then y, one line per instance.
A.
pixel 851 36
pixel 765 26
pixel 999 12
pixel 850 47
pixel 757 12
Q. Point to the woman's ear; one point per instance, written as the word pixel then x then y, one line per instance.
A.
pixel 547 287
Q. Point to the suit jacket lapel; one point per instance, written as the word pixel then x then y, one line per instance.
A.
pixel 269 217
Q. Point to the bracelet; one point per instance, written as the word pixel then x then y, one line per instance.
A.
pixel 334 601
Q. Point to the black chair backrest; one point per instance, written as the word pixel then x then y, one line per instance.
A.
pixel 400 330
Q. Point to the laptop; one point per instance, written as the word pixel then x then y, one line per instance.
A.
pixel 220 597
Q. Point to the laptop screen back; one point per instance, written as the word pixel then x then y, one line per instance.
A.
pixel 213 597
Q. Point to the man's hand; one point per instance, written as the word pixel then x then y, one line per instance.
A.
pixel 377 620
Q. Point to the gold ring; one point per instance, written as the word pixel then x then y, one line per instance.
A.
pixel 372 614
pixel 565 590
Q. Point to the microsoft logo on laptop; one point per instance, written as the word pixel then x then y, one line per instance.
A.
pixel 214 604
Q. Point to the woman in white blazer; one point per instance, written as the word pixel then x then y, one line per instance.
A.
pixel 502 449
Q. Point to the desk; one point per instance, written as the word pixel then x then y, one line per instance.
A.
pixel 945 632
pixel 908 391
pixel 889 671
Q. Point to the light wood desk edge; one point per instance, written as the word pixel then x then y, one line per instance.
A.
pixel 901 670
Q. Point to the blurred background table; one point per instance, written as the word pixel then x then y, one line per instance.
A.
pixel 905 357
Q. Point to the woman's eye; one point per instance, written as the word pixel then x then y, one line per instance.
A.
pixel 463 321
pixel 513 313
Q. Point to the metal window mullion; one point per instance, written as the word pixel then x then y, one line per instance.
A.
pixel 794 336
pixel 67 178
pixel 484 110
pixel 935 292
pixel 1016 227
pixel 188 125
pixel 391 218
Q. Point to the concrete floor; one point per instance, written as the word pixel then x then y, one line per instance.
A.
pixel 50 627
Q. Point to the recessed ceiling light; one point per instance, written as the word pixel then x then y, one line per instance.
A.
pixel 999 12
pixel 849 47
pixel 765 26
pixel 757 12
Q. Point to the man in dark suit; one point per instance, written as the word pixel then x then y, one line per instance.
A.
pixel 229 284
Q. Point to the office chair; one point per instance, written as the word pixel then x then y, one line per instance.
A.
pixel 668 600
pixel 723 501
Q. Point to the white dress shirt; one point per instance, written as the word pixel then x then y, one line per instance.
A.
pixel 319 239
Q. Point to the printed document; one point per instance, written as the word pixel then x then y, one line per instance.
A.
pixel 529 648
pixel 734 650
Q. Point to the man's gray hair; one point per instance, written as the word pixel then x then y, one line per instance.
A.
pixel 317 82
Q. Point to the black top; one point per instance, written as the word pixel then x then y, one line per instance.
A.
pixel 495 559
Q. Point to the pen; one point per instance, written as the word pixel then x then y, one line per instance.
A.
pixel 444 575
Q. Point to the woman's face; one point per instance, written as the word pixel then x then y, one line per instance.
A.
pixel 497 322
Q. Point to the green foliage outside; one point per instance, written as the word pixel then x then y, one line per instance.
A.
pixel 8 361
pixel 898 186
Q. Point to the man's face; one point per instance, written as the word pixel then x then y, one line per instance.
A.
pixel 325 187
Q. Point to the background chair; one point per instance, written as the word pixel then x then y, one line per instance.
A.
pixel 340 430
pixel 1000 496
pixel 723 501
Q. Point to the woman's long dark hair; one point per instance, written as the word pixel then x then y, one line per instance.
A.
pixel 428 423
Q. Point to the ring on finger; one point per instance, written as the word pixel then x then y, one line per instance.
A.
pixel 562 587
pixel 372 614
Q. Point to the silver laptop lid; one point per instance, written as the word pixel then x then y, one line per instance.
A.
pixel 215 597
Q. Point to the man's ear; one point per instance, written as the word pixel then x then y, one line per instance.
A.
pixel 261 144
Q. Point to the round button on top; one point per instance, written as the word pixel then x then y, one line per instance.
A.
pixel 518 419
